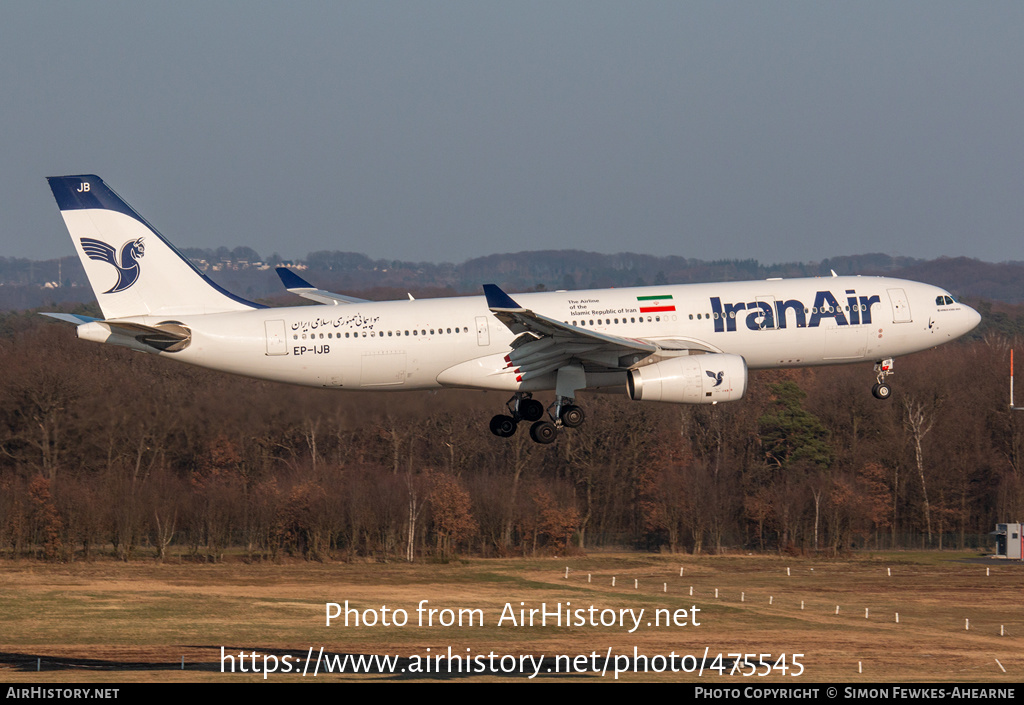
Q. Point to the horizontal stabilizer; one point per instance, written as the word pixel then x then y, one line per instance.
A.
pixel 169 336
pixel 297 285
pixel 70 318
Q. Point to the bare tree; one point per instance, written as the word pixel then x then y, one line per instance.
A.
pixel 918 419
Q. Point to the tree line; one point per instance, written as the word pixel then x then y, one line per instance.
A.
pixel 108 452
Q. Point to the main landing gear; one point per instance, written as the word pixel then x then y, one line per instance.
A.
pixel 883 368
pixel 523 407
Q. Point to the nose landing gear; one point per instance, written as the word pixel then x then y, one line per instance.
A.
pixel 883 368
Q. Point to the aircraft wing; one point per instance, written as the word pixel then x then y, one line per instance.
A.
pixel 547 344
pixel 297 285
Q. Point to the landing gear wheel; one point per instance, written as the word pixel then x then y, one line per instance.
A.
pixel 572 416
pixel 881 391
pixel 531 410
pixel 503 426
pixel 543 432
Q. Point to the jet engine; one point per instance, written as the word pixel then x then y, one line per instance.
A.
pixel 691 379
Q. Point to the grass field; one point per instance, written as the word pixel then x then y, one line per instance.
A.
pixel 108 622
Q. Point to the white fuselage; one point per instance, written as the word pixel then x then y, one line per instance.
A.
pixel 458 342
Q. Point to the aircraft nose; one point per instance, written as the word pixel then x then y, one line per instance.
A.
pixel 971 319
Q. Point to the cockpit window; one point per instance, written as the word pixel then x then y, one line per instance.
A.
pixel 944 300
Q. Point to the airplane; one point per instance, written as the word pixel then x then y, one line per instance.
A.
pixel 688 344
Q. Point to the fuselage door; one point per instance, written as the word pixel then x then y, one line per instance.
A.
pixel 277 340
pixel 900 306
pixel 483 336
pixel 766 319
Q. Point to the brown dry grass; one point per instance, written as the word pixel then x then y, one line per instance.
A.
pixel 106 621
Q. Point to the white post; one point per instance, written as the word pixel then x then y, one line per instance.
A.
pixel 743 597
pixel 613 581
pixel 636 583
pixel 566 572
pixel 771 598
pixel 967 625
pixel 664 587
pixel 897 618
pixel 801 604
pixel 716 593
pixel 865 613
pixel 837 609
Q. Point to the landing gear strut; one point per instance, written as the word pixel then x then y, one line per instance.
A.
pixel 883 368
pixel 570 415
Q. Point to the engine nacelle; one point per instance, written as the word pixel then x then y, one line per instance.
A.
pixel 693 379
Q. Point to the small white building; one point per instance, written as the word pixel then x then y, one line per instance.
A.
pixel 1009 541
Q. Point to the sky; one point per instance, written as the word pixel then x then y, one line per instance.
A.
pixel 440 131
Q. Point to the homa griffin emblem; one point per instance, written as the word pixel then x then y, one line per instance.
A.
pixel 127 268
pixel 717 376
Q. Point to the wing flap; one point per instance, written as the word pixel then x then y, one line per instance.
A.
pixel 546 344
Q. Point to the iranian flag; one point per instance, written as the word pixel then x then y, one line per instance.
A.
pixel 656 304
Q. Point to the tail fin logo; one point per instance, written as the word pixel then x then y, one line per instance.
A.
pixel 127 269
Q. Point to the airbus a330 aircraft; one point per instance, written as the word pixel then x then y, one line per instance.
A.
pixel 690 344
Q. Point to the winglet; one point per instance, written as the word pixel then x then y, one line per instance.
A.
pixel 297 285
pixel 291 280
pixel 498 299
